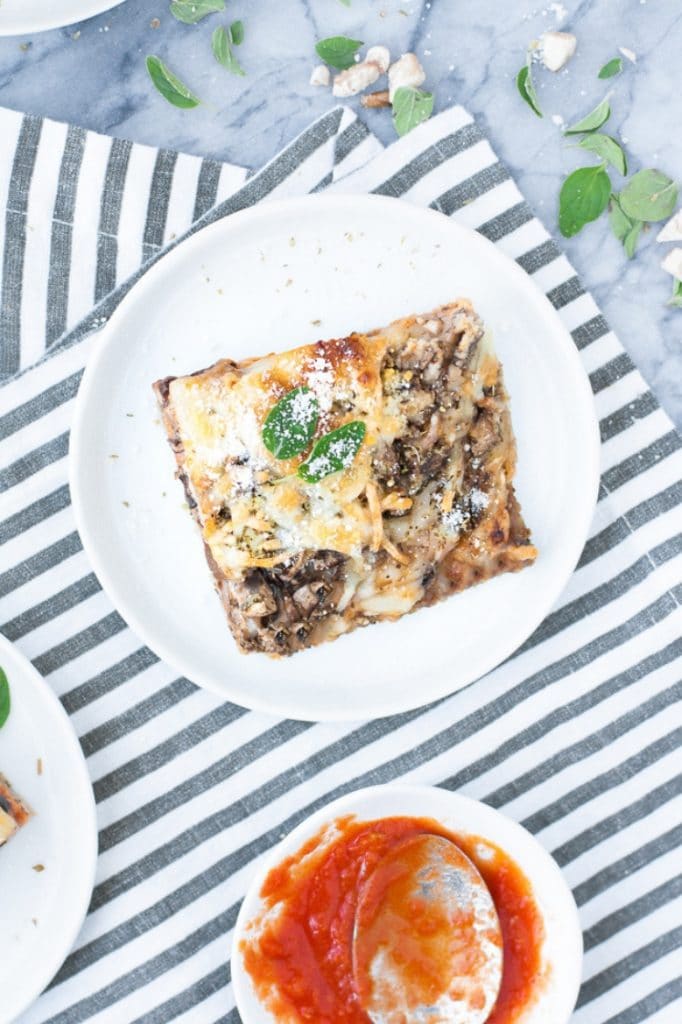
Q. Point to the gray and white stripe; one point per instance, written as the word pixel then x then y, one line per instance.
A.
pixel 577 735
pixel 69 200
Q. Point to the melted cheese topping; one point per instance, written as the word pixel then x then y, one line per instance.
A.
pixel 256 512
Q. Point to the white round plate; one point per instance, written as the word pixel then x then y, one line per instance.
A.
pixel 275 277
pixel 41 912
pixel 19 17
pixel 562 948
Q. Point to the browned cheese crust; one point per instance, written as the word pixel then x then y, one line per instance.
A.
pixel 426 510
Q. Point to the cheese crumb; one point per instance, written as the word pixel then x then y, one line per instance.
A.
pixel 673 263
pixel 557 49
pixel 320 75
pixel 672 231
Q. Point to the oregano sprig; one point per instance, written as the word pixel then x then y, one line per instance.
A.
pixel 526 87
pixel 169 85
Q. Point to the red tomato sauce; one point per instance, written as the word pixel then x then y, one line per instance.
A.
pixel 298 953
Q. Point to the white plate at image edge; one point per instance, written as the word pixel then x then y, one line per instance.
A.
pixel 61 836
pixel 21 17
pixel 262 280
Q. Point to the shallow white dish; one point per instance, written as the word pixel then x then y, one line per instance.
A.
pixel 42 911
pixel 562 948
pixel 281 275
pixel 18 17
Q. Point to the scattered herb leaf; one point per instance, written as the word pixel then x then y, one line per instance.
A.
pixel 631 239
pixel 608 149
pixel 613 68
pixel 624 228
pixel 170 87
pixel 676 299
pixel 192 11
pixel 346 3
pixel 592 121
pixel 524 82
pixel 411 107
pixel 333 452
pixel 220 42
pixel 338 51
pixel 236 33
pixel 291 423
pixel 649 195
pixel 584 196
pixel 4 698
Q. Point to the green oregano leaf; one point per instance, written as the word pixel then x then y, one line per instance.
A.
pixel 170 87
pixel 410 107
pixel 608 149
pixel 4 698
pixel 583 198
pixel 676 298
pixel 236 33
pixel 192 11
pixel 613 68
pixel 338 51
pixel 291 423
pixel 624 228
pixel 524 83
pixel 631 239
pixel 649 195
pixel 220 43
pixel 333 452
pixel 592 121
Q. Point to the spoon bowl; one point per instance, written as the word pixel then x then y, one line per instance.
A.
pixel 427 942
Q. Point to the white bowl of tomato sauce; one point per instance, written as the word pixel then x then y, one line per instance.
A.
pixel 292 946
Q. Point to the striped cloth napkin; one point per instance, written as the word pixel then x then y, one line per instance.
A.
pixel 576 736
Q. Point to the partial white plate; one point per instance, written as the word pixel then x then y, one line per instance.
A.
pixel 285 274
pixel 562 948
pixel 41 912
pixel 19 17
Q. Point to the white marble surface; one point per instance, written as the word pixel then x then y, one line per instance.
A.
pixel 93 74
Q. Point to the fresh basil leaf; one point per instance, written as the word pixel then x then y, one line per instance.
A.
pixel 410 108
pixel 220 43
pixel 524 83
pixel 346 3
pixel 649 195
pixel 338 51
pixel 613 68
pixel 592 121
pixel 584 196
pixel 676 299
pixel 624 228
pixel 4 698
pixel 236 33
pixel 333 452
pixel 192 11
pixel 291 423
pixel 170 87
pixel 608 149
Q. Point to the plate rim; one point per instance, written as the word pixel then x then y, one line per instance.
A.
pixel 46 971
pixel 343 805
pixel 187 246
pixel 46 21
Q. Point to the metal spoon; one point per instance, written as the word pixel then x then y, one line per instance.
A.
pixel 427 943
